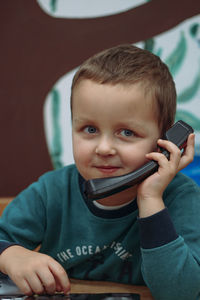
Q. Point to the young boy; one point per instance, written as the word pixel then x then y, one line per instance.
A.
pixel 123 100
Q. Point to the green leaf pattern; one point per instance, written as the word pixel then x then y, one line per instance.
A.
pixel 175 61
pixel 53 4
pixel 56 147
pixel 187 94
pixel 176 58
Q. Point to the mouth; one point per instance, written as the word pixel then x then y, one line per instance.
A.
pixel 107 169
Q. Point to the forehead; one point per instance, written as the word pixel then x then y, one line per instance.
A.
pixel 113 104
pixel 92 92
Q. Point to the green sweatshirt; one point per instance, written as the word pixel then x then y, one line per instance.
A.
pixel 162 251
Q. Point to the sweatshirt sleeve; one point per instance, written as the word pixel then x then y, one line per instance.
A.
pixel 23 220
pixel 5 245
pixel 156 230
pixel 171 263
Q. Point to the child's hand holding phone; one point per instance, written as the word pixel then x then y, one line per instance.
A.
pixel 150 191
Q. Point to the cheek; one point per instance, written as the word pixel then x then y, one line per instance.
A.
pixel 81 151
pixel 135 156
pixel 135 159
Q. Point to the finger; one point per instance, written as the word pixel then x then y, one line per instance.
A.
pixel 47 279
pixel 24 287
pixel 175 153
pixel 58 287
pixel 61 278
pixel 189 147
pixel 167 146
pixel 35 283
pixel 161 159
pixel 167 167
pixel 188 153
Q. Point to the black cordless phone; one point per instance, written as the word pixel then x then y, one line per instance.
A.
pixel 103 187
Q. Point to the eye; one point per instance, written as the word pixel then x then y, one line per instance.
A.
pixel 126 132
pixel 90 129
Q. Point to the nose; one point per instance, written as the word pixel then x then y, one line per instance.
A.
pixel 105 147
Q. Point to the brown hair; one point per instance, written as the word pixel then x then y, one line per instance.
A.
pixel 128 64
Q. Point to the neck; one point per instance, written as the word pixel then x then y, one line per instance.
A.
pixel 120 198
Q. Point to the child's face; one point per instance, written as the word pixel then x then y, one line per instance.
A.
pixel 113 127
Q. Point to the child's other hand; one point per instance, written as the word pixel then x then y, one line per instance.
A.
pixel 33 272
pixel 150 191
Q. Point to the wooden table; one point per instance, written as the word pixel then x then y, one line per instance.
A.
pixel 4 202
pixel 96 287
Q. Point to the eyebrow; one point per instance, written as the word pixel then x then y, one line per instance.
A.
pixel 81 120
pixel 122 124
pixel 133 124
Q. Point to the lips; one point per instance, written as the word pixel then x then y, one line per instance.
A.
pixel 107 169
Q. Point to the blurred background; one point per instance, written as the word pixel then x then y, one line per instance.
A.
pixel 42 44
